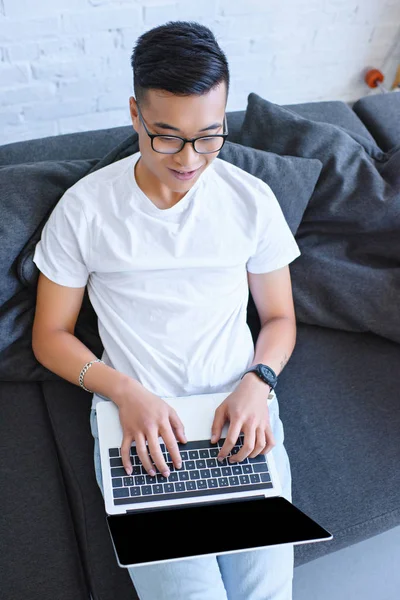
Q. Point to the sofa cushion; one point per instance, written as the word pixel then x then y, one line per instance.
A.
pixel 339 399
pixel 40 557
pixel 29 193
pixel 349 235
pixel 381 114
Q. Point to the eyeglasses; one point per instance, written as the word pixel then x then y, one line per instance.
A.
pixel 172 144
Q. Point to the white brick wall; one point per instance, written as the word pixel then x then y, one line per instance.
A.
pixel 65 64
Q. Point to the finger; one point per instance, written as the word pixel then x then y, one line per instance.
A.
pixel 231 439
pixel 260 442
pixel 156 454
pixel 177 426
pixel 143 454
pixel 248 444
pixel 125 453
pixel 270 442
pixel 172 446
pixel 218 423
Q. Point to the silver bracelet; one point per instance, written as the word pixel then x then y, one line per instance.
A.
pixel 85 368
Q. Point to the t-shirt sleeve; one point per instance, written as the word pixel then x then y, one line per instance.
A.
pixel 276 246
pixel 62 252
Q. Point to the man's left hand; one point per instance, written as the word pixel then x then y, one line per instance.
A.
pixel 247 411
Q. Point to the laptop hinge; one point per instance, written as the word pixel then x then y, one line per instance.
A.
pixel 189 504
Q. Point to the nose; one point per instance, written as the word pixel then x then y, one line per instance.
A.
pixel 188 158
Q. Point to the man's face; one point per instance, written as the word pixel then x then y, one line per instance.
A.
pixel 185 116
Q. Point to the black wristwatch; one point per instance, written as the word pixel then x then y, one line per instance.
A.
pixel 265 373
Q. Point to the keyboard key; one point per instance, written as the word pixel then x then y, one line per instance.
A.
pixel 194 475
pixel 146 490
pixel 260 458
pixel 226 471
pixel 136 470
pixel 168 487
pixel 117 482
pixel 201 484
pixel 234 480
pixel 173 477
pixel 204 454
pixel 223 482
pixel 161 478
pixel 237 470
pixel 135 491
pixel 215 472
pixel 190 485
pixel 244 479
pixel 214 452
pixel 260 468
pixel 150 479
pixel 139 480
pixel 184 455
pixel 247 469
pixel 113 452
pixel 183 476
pixel 235 450
pixel 180 486
pixel 205 473
pixel 193 454
pixel 255 478
pixel 211 462
pixel 138 462
pixel 115 462
pixel 163 448
pixel 189 464
pixel 120 492
pixel 118 472
pixel 201 464
pixel 223 463
pixel 128 480
pixel 265 477
pixel 157 488
pixel 212 483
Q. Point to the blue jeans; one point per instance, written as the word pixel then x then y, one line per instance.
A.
pixel 263 574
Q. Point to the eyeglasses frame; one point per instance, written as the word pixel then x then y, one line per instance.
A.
pixel 184 140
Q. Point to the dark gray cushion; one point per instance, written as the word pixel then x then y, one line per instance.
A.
pixel 347 276
pixel 381 114
pixel 40 557
pixel 339 404
pixel 291 179
pixel 29 193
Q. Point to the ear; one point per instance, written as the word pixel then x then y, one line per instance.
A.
pixel 134 113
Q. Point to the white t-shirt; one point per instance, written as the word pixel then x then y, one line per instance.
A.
pixel 169 286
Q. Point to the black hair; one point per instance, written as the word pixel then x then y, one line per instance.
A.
pixel 181 57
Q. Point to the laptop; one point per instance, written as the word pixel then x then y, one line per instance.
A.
pixel 206 507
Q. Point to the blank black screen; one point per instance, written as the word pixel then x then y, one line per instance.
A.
pixel 209 528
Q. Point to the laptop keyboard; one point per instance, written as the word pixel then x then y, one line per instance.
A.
pixel 201 474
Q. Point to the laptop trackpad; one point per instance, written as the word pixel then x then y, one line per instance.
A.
pixel 173 533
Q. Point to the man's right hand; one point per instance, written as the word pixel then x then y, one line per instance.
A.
pixel 144 416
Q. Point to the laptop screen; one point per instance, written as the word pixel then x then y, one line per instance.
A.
pixel 141 537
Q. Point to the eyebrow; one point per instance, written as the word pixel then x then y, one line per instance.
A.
pixel 166 126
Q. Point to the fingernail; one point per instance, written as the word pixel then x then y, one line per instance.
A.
pixel 179 465
pixel 166 473
pixel 128 470
pixel 220 458
pixel 152 472
pixel 213 438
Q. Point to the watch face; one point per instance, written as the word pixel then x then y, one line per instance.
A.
pixel 265 371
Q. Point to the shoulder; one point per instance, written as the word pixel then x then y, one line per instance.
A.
pixel 247 185
pixel 106 176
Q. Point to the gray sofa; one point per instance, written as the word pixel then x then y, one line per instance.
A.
pixel 338 396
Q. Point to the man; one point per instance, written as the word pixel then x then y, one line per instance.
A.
pixel 169 242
